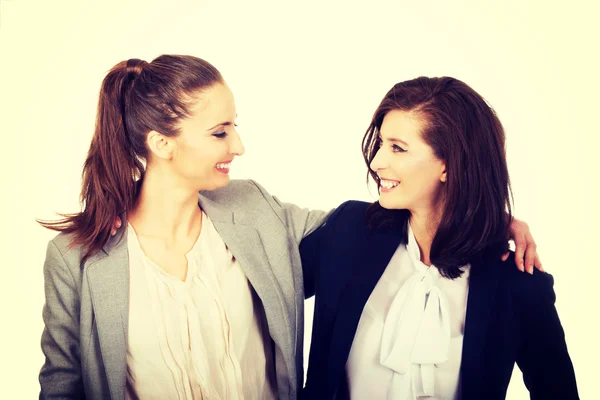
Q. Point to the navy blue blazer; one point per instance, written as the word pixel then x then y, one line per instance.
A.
pixel 510 314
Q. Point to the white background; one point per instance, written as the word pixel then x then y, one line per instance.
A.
pixel 307 76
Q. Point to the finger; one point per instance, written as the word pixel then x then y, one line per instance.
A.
pixel 530 256
pixel 113 232
pixel 505 256
pixel 520 245
pixel 529 268
pixel 538 263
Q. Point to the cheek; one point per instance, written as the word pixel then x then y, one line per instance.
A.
pixel 192 160
pixel 200 150
pixel 419 179
pixel 409 171
pixel 427 183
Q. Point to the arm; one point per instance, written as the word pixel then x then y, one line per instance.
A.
pixel 299 221
pixel 60 376
pixel 543 357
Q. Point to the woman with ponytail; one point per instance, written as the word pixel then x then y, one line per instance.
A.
pixel 149 313
pixel 199 294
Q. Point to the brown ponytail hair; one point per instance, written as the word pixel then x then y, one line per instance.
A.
pixel 136 97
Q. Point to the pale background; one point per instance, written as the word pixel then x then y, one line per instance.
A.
pixel 307 77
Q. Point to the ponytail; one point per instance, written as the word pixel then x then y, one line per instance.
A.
pixel 136 97
pixel 110 169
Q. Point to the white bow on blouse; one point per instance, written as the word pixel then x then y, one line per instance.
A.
pixel 416 332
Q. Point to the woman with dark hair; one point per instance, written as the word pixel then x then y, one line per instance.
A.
pixel 412 298
pixel 200 293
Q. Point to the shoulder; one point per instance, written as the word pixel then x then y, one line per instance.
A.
pixel 62 257
pixel 237 188
pixel 63 245
pixel 63 253
pixel 238 191
pixel 352 210
pixel 237 195
pixel 349 218
pixel 523 286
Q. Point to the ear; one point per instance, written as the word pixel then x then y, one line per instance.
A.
pixel 443 175
pixel 160 145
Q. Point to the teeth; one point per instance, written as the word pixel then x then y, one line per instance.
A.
pixel 388 184
pixel 223 165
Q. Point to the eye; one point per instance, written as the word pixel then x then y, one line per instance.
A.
pixel 220 135
pixel 397 149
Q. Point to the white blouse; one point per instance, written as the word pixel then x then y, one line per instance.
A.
pixel 408 343
pixel 202 338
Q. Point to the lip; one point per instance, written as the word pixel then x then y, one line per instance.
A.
pixel 223 170
pixel 381 178
pixel 387 190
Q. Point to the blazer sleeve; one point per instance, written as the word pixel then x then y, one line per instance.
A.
pixel 300 222
pixel 60 376
pixel 310 250
pixel 542 356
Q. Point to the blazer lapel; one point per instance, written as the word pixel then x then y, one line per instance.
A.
pixel 483 284
pixel 246 245
pixel 367 267
pixel 108 279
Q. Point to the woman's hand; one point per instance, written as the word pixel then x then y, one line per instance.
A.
pixel 526 256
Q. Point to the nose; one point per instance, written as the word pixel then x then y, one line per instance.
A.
pixel 237 147
pixel 378 162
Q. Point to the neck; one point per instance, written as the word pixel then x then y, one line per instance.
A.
pixel 165 208
pixel 424 225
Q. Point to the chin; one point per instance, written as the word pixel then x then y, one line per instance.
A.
pixel 212 184
pixel 391 204
pixel 222 182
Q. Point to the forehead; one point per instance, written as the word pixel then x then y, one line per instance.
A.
pixel 401 124
pixel 212 105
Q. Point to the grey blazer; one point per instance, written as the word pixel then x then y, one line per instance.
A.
pixel 86 310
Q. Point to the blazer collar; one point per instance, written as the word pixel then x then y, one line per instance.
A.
pixel 215 211
pixel 107 275
pixel 367 266
pixel 239 232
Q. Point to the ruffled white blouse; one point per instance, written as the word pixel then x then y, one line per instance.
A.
pixel 202 338
pixel 408 343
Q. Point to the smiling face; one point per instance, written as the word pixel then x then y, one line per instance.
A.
pixel 201 154
pixel 411 176
pixel 444 160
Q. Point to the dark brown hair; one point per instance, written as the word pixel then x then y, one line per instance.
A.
pixel 464 132
pixel 136 97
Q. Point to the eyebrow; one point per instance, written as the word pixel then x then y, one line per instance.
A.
pixel 394 140
pixel 228 123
